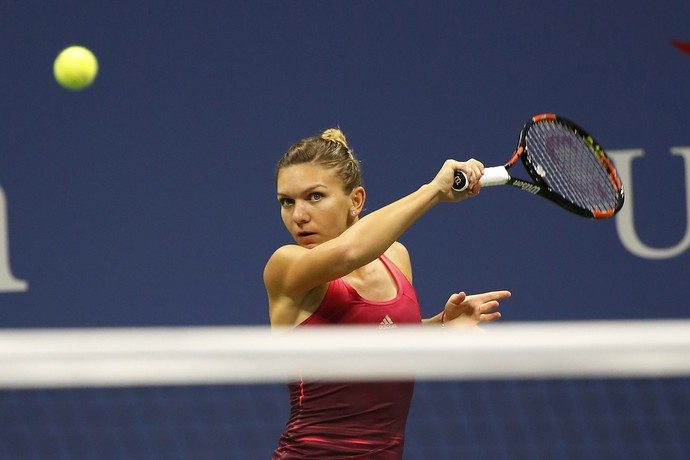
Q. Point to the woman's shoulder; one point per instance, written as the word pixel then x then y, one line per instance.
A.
pixel 281 258
pixel 396 249
pixel 288 250
pixel 398 254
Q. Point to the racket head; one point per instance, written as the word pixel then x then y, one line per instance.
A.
pixel 570 166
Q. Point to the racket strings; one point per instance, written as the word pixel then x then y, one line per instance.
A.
pixel 569 167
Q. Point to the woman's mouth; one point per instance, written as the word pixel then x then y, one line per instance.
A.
pixel 306 237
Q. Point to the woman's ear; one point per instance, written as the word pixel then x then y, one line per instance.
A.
pixel 358 196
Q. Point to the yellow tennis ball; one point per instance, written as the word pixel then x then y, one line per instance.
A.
pixel 75 67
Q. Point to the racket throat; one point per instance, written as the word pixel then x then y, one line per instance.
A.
pixel 526 186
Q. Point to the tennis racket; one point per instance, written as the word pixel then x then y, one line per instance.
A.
pixel 566 165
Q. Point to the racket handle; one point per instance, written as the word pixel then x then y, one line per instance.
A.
pixel 495 175
pixel 459 181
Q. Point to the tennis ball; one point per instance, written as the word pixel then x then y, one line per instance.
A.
pixel 75 67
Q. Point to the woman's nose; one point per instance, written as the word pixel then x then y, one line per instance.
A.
pixel 300 213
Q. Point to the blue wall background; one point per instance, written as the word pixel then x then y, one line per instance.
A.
pixel 148 199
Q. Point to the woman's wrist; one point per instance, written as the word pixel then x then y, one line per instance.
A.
pixel 433 190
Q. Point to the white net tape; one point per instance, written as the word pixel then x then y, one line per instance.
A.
pixel 211 355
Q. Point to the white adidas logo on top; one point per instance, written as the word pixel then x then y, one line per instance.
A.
pixel 387 323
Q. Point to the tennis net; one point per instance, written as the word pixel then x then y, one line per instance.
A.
pixel 522 390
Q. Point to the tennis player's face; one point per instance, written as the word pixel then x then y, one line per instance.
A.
pixel 313 205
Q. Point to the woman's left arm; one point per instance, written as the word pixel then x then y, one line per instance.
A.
pixel 461 310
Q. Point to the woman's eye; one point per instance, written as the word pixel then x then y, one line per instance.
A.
pixel 284 202
pixel 316 196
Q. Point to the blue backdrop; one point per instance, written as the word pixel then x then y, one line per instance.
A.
pixel 148 198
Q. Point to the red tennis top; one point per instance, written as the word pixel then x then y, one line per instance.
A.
pixel 352 420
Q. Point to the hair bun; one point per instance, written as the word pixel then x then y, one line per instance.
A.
pixel 336 135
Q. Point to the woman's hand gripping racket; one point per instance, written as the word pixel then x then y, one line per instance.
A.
pixel 567 166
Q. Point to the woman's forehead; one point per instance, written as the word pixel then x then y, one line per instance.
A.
pixel 306 176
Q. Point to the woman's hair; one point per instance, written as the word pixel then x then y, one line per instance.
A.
pixel 330 150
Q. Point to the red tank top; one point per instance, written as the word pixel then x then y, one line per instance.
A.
pixel 352 420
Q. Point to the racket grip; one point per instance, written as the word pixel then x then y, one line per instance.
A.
pixel 495 175
pixel 459 181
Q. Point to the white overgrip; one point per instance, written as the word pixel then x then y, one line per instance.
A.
pixel 495 175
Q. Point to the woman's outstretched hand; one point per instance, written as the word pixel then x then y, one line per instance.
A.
pixel 464 310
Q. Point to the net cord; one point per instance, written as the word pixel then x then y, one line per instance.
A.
pixel 52 358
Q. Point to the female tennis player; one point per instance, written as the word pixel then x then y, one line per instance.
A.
pixel 350 269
